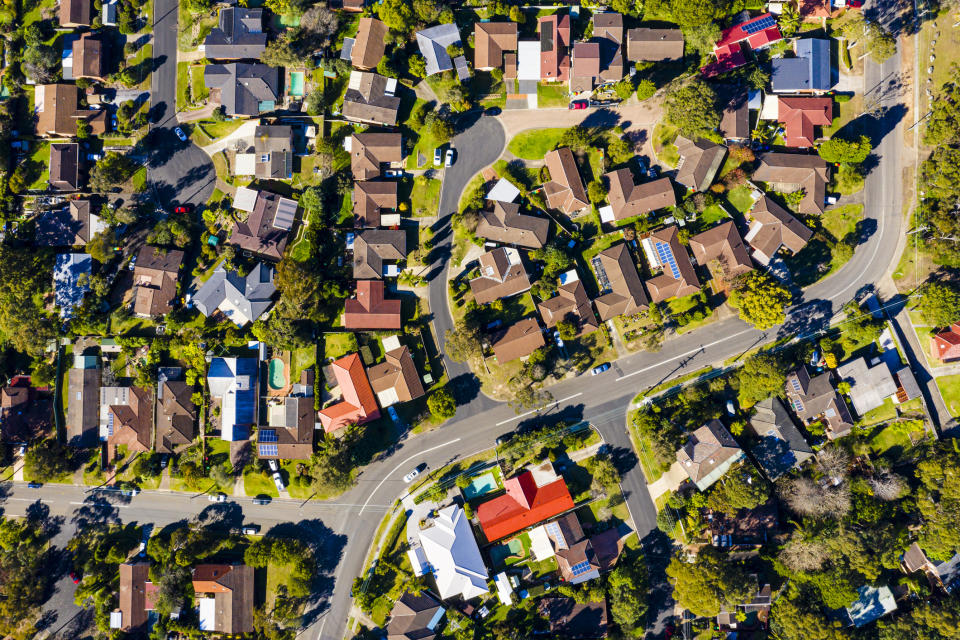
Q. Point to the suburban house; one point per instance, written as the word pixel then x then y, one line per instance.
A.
pixel 529 499
pixel 134 578
pixel 270 156
pixel 808 72
pixel 815 399
pixel 369 309
pixel 941 575
pixel 518 340
pixel 155 280
pixel 374 201
pixel 571 304
pixel 724 245
pixel 176 415
pixel 269 220
pixel 790 172
pixel 83 401
pixel 414 617
pixel 585 66
pixel 746 617
pixel 621 289
pixel 772 228
pixel 554 47
pixel 243 89
pixel 503 191
pixel 76 13
pixel 567 619
pixel 678 277
pixel 371 99
pixel 629 199
pixel 709 453
pixel 780 445
pixel 800 116
pixel 71 226
pixel 241 299
pixel 238 35
pixel 71 281
pixel 373 248
pixel 395 379
pixel 699 162
pixel 608 33
pixel 501 275
pixel 64 166
pixel 502 222
pixel 357 403
pixel 57 109
pixel 945 345
pixel 224 597
pixel 288 434
pixel 25 412
pixel 872 383
pixel 654 45
pixel 370 43
pixel 491 42
pixel 233 382
pixel 452 554
pixel 755 33
pixel 735 117
pixel 88 57
pixel 433 43
pixel 368 151
pixel 745 527
pixel 872 604
pixel 576 559
pixel 126 418
pixel 565 191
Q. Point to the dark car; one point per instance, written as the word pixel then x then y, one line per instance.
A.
pixel 74 577
pixel 34 485
pixel 261 500
pixel 578 104
pixel 184 208
pixel 493 111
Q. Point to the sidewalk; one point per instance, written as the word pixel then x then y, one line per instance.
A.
pixel 669 481
pixel 586 452
pixel 244 132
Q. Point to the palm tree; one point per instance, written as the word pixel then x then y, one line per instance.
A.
pixel 790 20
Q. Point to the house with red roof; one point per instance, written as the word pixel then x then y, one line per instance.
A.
pixel 370 309
pixel 555 41
pixel 755 33
pixel 525 504
pixel 946 344
pixel 799 117
pixel 358 403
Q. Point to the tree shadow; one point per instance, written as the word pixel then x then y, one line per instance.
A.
pixel 96 509
pixel 807 318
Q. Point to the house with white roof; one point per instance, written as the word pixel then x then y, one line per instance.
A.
pixel 453 555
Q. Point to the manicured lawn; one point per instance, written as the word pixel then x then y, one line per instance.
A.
pixel 552 95
pixel 740 198
pixel 843 113
pixel 680 305
pixel 183 85
pixel 842 220
pixel 339 344
pixel 600 244
pixel 886 411
pixel 950 389
pixel 535 143
pixel 139 180
pixel 663 137
pixel 256 483
pixel 712 215
pixel 301 360
pixel 896 434
pixel 40 159
pixel 425 198
pixel 220 129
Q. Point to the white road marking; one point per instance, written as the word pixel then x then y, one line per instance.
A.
pixel 118 506
pixel 700 348
pixel 522 415
pixel 394 470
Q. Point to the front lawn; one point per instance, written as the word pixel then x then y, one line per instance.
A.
pixel 424 197
pixel 552 95
pixel 183 85
pixel 663 146
pixel 256 483
pixel 535 143
pixel 218 130
pixel 842 221
pixel 39 165
pixel 950 389
pixel 337 345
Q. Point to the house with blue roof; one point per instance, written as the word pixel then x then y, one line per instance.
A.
pixel 71 281
pixel 808 72
pixel 233 381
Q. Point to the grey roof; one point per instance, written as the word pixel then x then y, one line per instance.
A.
pixel 273 147
pixel 68 292
pixel 245 89
pixel 433 43
pixel 239 35
pixel 809 71
pixel 242 299
pixel 870 386
pixel 780 445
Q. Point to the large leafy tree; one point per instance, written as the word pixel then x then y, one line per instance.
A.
pixel 709 583
pixel 938 500
pixel 740 488
pixel 627 590
pixel 762 300
pixel 939 304
pixel 794 617
pixel 760 377
pixel 692 13
pixel 849 151
pixel 692 108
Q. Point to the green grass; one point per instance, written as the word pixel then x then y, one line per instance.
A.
pixel 663 147
pixel 740 198
pixel 183 85
pixel 896 434
pixel 218 130
pixel 600 244
pixel 886 411
pixel 301 360
pixel 41 156
pixel 950 389
pixel 535 143
pixel 843 113
pixel 425 200
pixel 256 483
pixel 336 345
pixel 841 221
pixel 475 183
pixel 139 180
pixel 552 95
pixel 712 215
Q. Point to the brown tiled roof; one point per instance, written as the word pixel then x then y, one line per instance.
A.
pixel 259 233
pixel 370 310
pixel 176 415
pixel 232 589
pixel 774 227
pixel 791 172
pixel 706 449
pixel 517 341
pixel 57 111
pixel 155 280
pixel 626 295
pixel 25 413
pixel 799 117
pixel 666 285
pixel 608 24
pixel 722 243
pixel 817 399
pixel 504 223
pixel 608 34
pixel 369 197
pixel 133 419
pixel 628 199
pixel 565 191
pixel 83 406
pixel 501 275
pixel 399 373
pixel 134 577
pixel 366 100
pixel 586 60
pixel 69 226
pixel 570 303
pixel 654 45
pixel 699 162
pixel 573 621
pixel 369 150
pixel 88 57
pixel 65 166
pixel 735 119
pixel 509 66
pixel 490 41
pixel 76 13
pixel 410 616
pixel 292 426
pixel 373 247
pixel 370 44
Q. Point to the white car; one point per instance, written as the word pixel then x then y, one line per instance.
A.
pixel 410 476
pixel 278 481
pixel 180 134
pixel 217 497
pixel 449 160
pixel 273 465
pixel 437 157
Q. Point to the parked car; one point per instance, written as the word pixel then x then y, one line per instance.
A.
pixel 143 548
pixel 273 465
pixel 731 409
pixel 114 122
pixel 578 104
pixel 278 481
pixel 600 369
pixel 184 208
pixel 437 157
pixel 133 262
pixel 492 111
pixel 558 339
pixel 93 157
pixel 130 492
pixel 165 458
pixel 217 497
pixel 393 173
pixel 450 157
pixel 34 485
pixel 652 172
pixel 180 134
pixel 410 476
pixel 262 501
pixel 251 530
pixel 74 577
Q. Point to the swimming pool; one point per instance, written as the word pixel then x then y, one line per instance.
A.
pixel 296 83
pixel 480 485
pixel 276 378
pixel 509 550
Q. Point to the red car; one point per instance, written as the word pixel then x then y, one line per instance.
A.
pixel 855 4
pixel 184 208
pixel 74 577
pixel 578 104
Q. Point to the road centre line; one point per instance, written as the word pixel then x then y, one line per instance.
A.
pixel 522 415
pixel 677 357
pixel 394 470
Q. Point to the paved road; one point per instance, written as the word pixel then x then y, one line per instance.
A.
pixel 179 172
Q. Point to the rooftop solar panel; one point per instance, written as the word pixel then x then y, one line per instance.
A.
pixel 667 259
pixel 759 25
pixel 580 567
pixel 268 435
pixel 268 450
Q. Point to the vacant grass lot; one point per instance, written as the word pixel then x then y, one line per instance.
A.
pixel 535 143
pixel 424 197
pixel 552 95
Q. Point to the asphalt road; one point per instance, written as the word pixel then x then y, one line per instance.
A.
pixel 178 172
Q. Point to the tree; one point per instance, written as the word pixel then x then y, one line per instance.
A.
pixel 938 500
pixel 281 52
pixel 26 275
pixel 47 460
pixel 627 591
pixel 110 171
pixel 808 498
pixel 943 124
pixel 758 77
pixel 793 619
pixel 397 15
pixel 517 15
pixel 740 488
pixel 849 151
pixel 40 63
pixel 441 404
pixel 710 582
pixel 316 102
pixel 761 299
pixel 692 13
pixel 790 19
pixel 760 377
pixel 624 88
pixel 596 192
pixel 463 343
pixel 101 246
pixel 939 304
pixel 438 127
pixel 702 37
pixel 646 89
pixel 692 108
pixel 526 397
pixel 417 66
pixel 567 329
pixel 83 129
